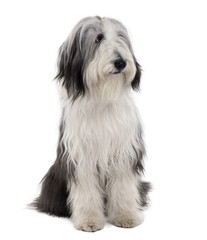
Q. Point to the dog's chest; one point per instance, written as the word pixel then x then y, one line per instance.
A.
pixel 105 124
pixel 101 133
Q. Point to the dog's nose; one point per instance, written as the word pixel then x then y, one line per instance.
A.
pixel 120 64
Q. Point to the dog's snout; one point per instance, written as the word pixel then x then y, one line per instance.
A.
pixel 120 64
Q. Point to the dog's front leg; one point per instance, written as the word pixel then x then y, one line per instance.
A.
pixel 87 203
pixel 122 206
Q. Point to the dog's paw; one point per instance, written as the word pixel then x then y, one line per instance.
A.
pixel 127 221
pixel 90 225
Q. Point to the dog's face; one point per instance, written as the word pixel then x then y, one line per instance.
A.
pixel 97 58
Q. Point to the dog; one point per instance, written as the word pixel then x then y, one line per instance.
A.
pixel 99 166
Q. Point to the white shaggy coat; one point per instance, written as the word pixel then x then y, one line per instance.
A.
pixel 100 152
pixel 103 135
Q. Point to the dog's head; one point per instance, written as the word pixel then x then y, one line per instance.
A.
pixel 96 57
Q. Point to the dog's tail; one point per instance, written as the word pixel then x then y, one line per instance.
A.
pixel 54 193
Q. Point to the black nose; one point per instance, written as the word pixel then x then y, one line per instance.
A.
pixel 120 64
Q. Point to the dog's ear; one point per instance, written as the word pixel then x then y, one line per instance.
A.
pixel 70 67
pixel 136 81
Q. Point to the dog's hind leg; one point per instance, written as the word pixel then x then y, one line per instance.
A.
pixel 54 193
pixel 55 188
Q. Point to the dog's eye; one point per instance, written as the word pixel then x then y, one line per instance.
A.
pixel 99 38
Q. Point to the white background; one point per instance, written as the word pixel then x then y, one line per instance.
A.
pixel 170 42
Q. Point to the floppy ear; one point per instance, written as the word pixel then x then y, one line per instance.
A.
pixel 136 81
pixel 70 67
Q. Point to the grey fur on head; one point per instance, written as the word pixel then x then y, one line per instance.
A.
pixel 80 48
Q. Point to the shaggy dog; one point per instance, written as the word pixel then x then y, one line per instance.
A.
pixel 99 161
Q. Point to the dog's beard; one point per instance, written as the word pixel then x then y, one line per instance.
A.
pixel 111 88
pixel 105 85
pixel 108 89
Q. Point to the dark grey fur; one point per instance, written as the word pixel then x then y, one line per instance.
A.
pixel 143 189
pixel 54 191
